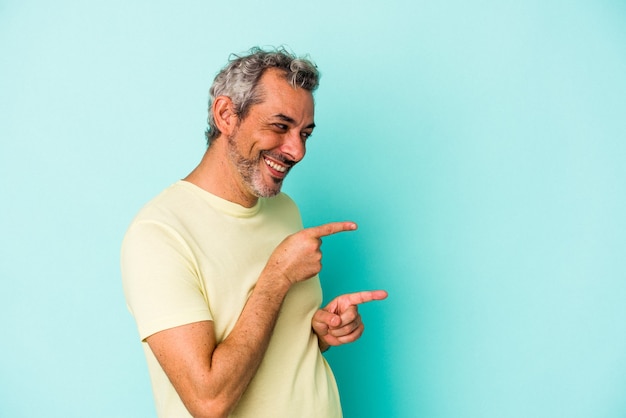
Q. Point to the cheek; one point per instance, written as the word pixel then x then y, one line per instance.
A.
pixel 269 141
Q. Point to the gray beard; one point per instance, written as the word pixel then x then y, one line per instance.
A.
pixel 250 172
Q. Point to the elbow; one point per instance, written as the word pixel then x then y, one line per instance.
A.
pixel 210 408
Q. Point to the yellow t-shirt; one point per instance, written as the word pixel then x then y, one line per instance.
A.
pixel 191 256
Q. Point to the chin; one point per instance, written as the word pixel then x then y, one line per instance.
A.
pixel 263 190
pixel 267 193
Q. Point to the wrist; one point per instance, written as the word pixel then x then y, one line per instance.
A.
pixel 275 283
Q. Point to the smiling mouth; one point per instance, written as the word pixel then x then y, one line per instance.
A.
pixel 275 165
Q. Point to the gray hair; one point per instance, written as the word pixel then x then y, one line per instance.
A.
pixel 239 80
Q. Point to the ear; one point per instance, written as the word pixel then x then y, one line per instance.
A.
pixel 224 114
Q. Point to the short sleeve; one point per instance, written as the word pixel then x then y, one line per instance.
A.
pixel 160 279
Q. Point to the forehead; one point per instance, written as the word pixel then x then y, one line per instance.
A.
pixel 278 93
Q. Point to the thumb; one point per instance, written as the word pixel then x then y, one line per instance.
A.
pixel 322 320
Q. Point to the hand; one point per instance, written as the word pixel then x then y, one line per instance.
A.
pixel 340 322
pixel 299 256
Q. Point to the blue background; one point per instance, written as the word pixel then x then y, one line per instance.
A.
pixel 480 145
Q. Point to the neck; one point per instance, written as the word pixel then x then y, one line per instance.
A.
pixel 217 176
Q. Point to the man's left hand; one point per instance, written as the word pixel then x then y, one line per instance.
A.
pixel 339 322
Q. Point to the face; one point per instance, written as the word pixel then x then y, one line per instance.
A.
pixel 271 139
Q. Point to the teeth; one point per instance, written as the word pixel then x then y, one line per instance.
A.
pixel 277 167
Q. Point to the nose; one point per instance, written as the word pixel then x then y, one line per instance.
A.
pixel 293 146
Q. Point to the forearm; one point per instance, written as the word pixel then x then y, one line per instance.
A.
pixel 235 361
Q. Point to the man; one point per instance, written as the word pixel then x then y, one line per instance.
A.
pixel 220 274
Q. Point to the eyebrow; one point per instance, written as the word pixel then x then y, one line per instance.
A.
pixel 287 119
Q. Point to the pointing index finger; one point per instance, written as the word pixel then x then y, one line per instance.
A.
pixel 331 228
pixel 365 296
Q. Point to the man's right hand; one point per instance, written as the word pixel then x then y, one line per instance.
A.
pixel 299 257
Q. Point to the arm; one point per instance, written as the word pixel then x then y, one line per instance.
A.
pixel 339 322
pixel 210 377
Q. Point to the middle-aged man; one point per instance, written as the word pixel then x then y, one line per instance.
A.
pixel 219 273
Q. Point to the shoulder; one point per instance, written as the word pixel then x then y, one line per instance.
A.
pixel 173 202
pixel 161 217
